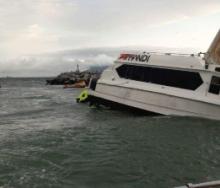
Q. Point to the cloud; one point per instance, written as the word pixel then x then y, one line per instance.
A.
pixel 52 64
pixel 33 27
pixel 102 15
pixel 34 31
pixel 55 63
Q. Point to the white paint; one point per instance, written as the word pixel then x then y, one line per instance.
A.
pixel 163 99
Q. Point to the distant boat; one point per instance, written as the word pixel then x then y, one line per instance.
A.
pixel 79 84
pixel 168 84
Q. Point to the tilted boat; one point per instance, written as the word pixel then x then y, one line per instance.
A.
pixel 168 84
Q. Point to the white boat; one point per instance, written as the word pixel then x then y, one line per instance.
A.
pixel 167 84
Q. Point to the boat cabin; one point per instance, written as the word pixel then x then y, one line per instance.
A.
pixel 182 71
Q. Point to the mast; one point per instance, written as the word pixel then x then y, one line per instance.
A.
pixel 77 68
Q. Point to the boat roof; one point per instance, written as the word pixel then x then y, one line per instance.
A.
pixel 187 61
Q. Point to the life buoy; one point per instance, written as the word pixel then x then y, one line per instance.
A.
pixel 83 96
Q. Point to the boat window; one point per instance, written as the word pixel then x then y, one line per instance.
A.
pixel 161 76
pixel 217 69
pixel 215 85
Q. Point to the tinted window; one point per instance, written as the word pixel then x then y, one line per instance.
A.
pixel 217 69
pixel 167 77
pixel 215 85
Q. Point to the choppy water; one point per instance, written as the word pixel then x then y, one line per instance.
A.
pixel 47 140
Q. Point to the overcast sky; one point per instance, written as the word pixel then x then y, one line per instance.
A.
pixel 38 26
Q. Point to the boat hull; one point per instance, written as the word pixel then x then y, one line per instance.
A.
pixel 156 102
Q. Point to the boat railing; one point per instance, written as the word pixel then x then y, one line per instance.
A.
pixel 200 54
pixel 212 184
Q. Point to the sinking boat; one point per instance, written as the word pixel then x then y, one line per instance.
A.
pixel 163 83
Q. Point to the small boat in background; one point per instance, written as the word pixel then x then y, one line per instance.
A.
pixel 79 84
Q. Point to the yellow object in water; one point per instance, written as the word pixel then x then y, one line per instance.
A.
pixel 83 97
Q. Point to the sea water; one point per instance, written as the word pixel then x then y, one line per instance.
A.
pixel 48 140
